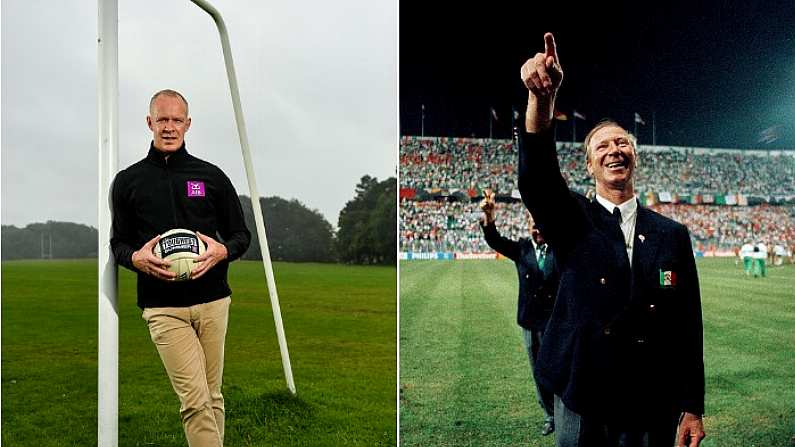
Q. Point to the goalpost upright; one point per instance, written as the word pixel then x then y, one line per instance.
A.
pixel 252 185
pixel 108 139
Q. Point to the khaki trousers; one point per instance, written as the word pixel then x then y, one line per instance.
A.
pixel 190 341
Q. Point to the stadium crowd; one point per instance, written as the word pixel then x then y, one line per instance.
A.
pixel 457 164
pixel 476 164
pixel 728 227
pixel 453 226
pixel 469 163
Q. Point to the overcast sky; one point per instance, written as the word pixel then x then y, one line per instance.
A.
pixel 318 83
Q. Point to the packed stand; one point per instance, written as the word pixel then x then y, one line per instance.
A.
pixel 454 226
pixel 448 163
pixel 459 164
pixel 434 164
pixel 427 226
pixel 729 227
pixel 716 173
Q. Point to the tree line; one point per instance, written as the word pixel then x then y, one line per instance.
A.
pixel 50 240
pixel 368 224
pixel 366 234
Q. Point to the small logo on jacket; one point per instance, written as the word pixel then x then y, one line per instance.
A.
pixel 667 278
pixel 195 188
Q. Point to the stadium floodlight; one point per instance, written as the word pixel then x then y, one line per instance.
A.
pixel 108 144
pixel 252 185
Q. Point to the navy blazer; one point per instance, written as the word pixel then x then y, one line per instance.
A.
pixel 537 289
pixel 621 341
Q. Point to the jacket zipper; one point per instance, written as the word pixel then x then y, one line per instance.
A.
pixel 171 195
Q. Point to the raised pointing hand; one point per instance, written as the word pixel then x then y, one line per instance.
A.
pixel 551 51
pixel 542 74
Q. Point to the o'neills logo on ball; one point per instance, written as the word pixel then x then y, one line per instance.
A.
pixel 179 243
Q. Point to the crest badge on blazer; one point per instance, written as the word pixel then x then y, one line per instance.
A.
pixel 667 278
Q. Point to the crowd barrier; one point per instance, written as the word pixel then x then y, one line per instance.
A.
pixel 445 256
pixel 459 256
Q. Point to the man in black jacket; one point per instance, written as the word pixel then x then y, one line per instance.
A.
pixel 623 350
pixel 187 320
pixel 538 285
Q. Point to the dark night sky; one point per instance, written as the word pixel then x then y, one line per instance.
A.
pixel 714 75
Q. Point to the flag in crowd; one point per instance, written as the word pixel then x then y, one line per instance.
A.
pixel 769 135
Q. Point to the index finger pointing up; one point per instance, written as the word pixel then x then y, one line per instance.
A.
pixel 549 46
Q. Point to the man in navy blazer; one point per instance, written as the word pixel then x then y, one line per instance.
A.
pixel 538 286
pixel 623 350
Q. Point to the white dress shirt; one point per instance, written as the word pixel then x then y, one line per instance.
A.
pixel 629 214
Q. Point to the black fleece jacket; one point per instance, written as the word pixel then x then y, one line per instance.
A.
pixel 157 194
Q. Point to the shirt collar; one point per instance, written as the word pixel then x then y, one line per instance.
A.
pixel 173 158
pixel 628 208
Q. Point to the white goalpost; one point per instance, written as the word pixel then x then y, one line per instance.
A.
pixel 252 186
pixel 108 139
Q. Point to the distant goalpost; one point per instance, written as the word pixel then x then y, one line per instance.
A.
pixel 108 140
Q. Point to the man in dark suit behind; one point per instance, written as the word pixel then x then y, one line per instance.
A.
pixel 538 285
pixel 623 349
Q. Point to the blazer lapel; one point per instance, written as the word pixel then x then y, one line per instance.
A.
pixel 644 247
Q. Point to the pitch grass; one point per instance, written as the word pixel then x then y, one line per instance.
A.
pixel 465 379
pixel 340 324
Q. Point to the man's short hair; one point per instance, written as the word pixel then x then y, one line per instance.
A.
pixel 169 92
pixel 607 122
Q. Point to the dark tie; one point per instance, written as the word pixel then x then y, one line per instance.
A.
pixel 617 215
pixel 542 256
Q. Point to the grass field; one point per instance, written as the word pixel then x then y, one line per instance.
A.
pixel 465 379
pixel 340 324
